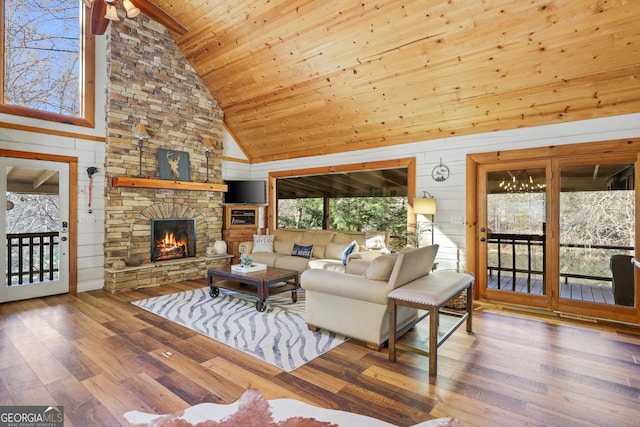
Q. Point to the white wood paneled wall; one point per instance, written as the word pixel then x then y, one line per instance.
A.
pixel 450 194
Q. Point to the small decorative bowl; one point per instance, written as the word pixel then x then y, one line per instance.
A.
pixel 133 261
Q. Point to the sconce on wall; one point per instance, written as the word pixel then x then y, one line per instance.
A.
pixel 426 206
pixel 140 132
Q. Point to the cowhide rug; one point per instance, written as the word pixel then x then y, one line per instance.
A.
pixel 252 410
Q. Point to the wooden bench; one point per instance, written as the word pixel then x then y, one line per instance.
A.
pixel 431 293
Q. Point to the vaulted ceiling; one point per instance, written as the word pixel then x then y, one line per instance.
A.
pixel 302 78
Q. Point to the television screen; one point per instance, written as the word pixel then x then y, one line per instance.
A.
pixel 246 192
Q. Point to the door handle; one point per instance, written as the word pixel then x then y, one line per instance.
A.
pixel 483 229
pixel 482 239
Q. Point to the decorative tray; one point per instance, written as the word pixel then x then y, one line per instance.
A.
pixel 239 268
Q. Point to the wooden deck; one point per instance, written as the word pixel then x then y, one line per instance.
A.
pixel 575 291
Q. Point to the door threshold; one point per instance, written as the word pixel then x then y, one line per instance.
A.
pixel 580 317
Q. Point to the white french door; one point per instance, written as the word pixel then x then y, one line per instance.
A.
pixel 34 228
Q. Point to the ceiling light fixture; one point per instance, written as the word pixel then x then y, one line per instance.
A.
pixel 112 12
pixel 521 183
pixel 131 11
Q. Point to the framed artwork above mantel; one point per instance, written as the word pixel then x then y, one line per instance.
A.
pixel 173 165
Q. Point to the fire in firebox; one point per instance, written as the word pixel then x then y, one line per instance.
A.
pixel 169 247
pixel 172 238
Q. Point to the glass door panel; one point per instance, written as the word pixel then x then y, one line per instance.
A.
pixel 516 201
pixel 34 228
pixel 597 233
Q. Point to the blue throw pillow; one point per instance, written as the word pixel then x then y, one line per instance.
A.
pixel 302 251
pixel 348 251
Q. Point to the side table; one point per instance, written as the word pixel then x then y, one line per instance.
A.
pixel 431 293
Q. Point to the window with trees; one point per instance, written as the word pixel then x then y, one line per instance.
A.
pixel 358 197
pixel 47 61
pixel 349 214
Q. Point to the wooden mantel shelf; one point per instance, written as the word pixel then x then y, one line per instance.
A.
pixel 126 181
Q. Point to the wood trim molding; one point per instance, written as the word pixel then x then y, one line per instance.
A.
pixel 165 184
pixel 621 148
pixel 235 159
pixel 45 131
pixel 86 116
pixel 558 151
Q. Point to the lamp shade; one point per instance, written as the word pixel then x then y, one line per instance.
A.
pixel 140 132
pixel 424 206
pixel 112 12
pixel 132 11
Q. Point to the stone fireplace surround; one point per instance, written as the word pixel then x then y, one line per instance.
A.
pixel 151 82
pixel 136 237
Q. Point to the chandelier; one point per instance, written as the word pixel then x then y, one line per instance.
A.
pixel 521 183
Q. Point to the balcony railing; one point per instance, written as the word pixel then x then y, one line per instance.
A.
pixel 527 258
pixel 32 257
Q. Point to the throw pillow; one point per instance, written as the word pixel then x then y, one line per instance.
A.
pixel 352 247
pixel 302 251
pixel 375 240
pixel 381 267
pixel 262 243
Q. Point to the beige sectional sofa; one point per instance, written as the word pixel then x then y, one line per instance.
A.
pixel 327 252
pixel 355 303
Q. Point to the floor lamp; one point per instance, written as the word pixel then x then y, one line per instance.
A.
pixel 426 206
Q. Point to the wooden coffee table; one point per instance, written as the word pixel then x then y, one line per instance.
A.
pixel 254 283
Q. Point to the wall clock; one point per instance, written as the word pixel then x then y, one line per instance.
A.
pixel 440 172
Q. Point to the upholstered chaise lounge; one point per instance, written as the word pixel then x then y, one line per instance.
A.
pixel 355 303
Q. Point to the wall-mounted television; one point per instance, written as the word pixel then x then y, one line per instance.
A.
pixel 247 192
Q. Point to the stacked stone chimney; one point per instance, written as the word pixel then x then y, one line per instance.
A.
pixel 151 82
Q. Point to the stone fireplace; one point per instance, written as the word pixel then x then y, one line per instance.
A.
pixel 173 238
pixel 151 82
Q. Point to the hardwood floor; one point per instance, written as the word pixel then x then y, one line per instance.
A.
pixel 100 356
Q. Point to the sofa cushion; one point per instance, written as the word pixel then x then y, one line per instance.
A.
pixel 262 243
pixel 357 266
pixel 381 267
pixel 267 258
pixel 412 264
pixel 326 264
pixel 336 250
pixel 346 237
pixel 302 251
pixel 291 263
pixel 319 239
pixel 282 247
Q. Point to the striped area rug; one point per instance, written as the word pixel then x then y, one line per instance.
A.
pixel 278 335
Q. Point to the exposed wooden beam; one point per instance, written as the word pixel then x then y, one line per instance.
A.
pixel 159 15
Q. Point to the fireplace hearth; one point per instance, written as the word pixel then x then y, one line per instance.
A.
pixel 173 238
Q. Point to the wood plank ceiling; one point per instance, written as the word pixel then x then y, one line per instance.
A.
pixel 302 78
